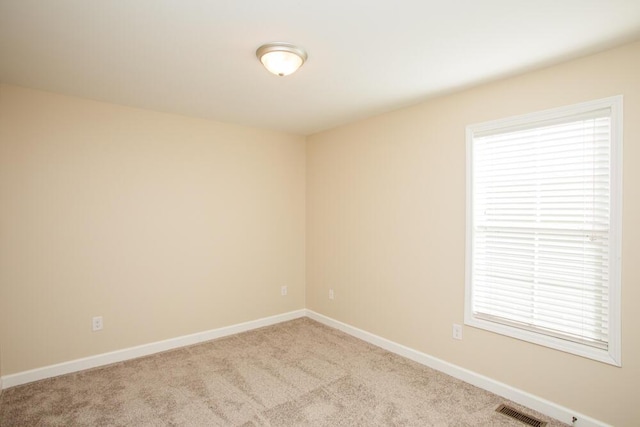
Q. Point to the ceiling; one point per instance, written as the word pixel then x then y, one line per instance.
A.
pixel 197 57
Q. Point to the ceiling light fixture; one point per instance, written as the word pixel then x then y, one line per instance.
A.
pixel 281 58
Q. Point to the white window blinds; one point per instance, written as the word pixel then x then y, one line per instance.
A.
pixel 541 226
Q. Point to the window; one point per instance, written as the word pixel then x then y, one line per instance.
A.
pixel 544 197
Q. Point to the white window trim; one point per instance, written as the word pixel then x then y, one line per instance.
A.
pixel 612 355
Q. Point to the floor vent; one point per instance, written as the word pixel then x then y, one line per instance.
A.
pixel 514 413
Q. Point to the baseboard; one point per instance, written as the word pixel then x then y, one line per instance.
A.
pixel 519 396
pixel 501 389
pixel 141 350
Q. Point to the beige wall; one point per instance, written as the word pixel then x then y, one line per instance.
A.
pixel 386 231
pixel 164 225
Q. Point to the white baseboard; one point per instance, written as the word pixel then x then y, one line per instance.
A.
pixel 501 389
pixel 519 396
pixel 141 350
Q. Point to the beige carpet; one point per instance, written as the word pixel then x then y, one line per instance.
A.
pixel 297 373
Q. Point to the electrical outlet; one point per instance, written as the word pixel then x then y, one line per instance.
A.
pixel 96 323
pixel 330 293
pixel 283 290
pixel 457 331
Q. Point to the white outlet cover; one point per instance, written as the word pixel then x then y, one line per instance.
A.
pixel 283 290
pixel 96 323
pixel 457 331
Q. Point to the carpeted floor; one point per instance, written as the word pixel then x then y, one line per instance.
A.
pixel 297 373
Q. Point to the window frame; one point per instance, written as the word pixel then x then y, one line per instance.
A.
pixel 611 355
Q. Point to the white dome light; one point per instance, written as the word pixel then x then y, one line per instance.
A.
pixel 281 58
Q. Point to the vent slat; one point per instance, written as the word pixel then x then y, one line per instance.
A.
pixel 517 415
